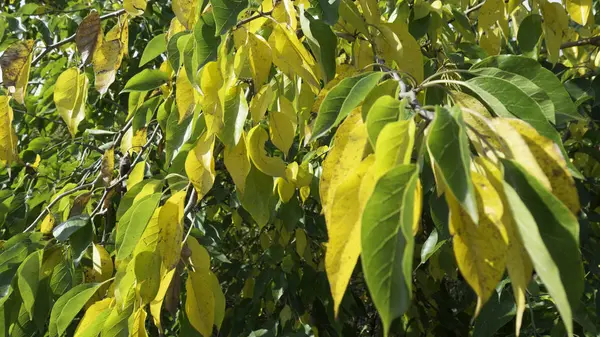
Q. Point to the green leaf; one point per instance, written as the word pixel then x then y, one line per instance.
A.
pixel 388 87
pixel 387 242
pixel 154 48
pixel 68 306
pixel 173 53
pixel 147 79
pixel 551 235
pixel 202 48
pixel 226 13
pixel 496 312
pixel 235 111
pixel 28 280
pixel 342 99
pixel 322 41
pixel 258 198
pixel 147 274
pixel 63 231
pixel 330 11
pixel 176 133
pixel 529 35
pixel 542 77
pixel 449 150
pixel 129 234
pixel 384 110
pixel 430 246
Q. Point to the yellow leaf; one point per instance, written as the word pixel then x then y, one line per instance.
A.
pixel 156 304
pixel 66 89
pixel 200 302
pixel 170 221
pixel 88 36
pixel 273 166
pixel 21 86
pixel 284 12
pixel 343 220
pixel 480 249
pixel 107 59
pixel 73 117
pixel 518 262
pixel 47 224
pixel 550 159
pixel 290 56
pixel 108 166
pixel 14 59
pixel 394 146
pixel 282 130
pixel 135 7
pixel 301 241
pixel 102 264
pixel 418 208
pixel 184 96
pixel 8 138
pixel 260 58
pixel 93 319
pixel 237 163
pixel 136 175
pixel 199 255
pixel 403 48
pixel 260 102
pixel 363 54
pixel 186 12
pixel 211 81
pixel 345 156
pixel 285 189
pixel 304 193
pixel 370 10
pixel 490 41
pixel 200 165
pixel 153 186
pixel 516 148
pixel 137 322
pixel 579 10
pixel 555 25
pixel 151 235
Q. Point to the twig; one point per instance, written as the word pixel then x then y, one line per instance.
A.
pixel 71 38
pixel 474 8
pixel 252 18
pixel 594 41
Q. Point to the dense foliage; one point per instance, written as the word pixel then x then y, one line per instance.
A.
pixel 299 168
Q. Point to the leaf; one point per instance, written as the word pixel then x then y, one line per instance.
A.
pixel 386 109
pixel 260 58
pixel 555 24
pixel 403 48
pixel 88 36
pixel 343 229
pixel 146 80
pixel 93 319
pixel 156 305
pixel 68 306
pixel 559 231
pixel 394 146
pixel 28 280
pixel 448 148
pixel 530 34
pixel 186 12
pixel 206 43
pixel 273 166
pixel 579 10
pixel 480 248
pixel 154 48
pixel 135 7
pixel 63 231
pixel 260 102
pixel 128 234
pixel 542 77
pixel 345 156
pixel 66 90
pixel 107 59
pixel 350 13
pixel 170 220
pixel 387 241
pixel 136 175
pixel 290 56
pixel 258 197
pixel 137 324
pixel 200 302
pixel 226 13
pixel 342 99
pixel 282 129
pixel 330 11
pixel 185 96
pixel 14 59
pixel 200 165
pixel 117 322
pixel 147 275
pixel 8 137
pixel 322 42
pixel 102 264
pixel 237 162
pixel 235 111
pixel 107 166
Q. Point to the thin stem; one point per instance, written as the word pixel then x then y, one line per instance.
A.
pixel 252 18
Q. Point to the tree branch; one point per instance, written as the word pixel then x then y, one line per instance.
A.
pixel 71 38
pixel 594 41
pixel 252 18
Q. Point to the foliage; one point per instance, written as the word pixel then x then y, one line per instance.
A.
pixel 298 168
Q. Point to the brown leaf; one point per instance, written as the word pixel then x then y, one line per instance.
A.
pixel 13 60
pixel 88 36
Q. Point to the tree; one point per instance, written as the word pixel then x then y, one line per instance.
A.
pixel 297 168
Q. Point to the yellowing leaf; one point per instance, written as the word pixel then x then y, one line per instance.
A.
pixel 184 96
pixel 260 58
pixel 102 264
pixel 260 102
pixel 89 36
pixel 370 11
pixel 551 161
pixel 186 12
pixel 108 166
pixel 290 56
pixel 135 8
pixel 394 146
pixel 200 302
pixel 14 59
pixel 8 138
pixel 74 116
pixel 237 163
pixel 156 305
pixel 555 24
pixel 137 322
pixel 403 48
pixel 273 166
pixel 211 81
pixel 200 165
pixel 170 220
pixel 93 319
pixel 579 10
pixel 282 130
pixel 480 249
pixel 66 89
pixel 345 156
pixel 343 229
pixel 285 189
pixel 48 224
pixel 136 175
pixel 284 12
pixel 107 59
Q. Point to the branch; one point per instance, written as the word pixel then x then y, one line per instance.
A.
pixel 72 37
pixel 252 18
pixel 594 41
